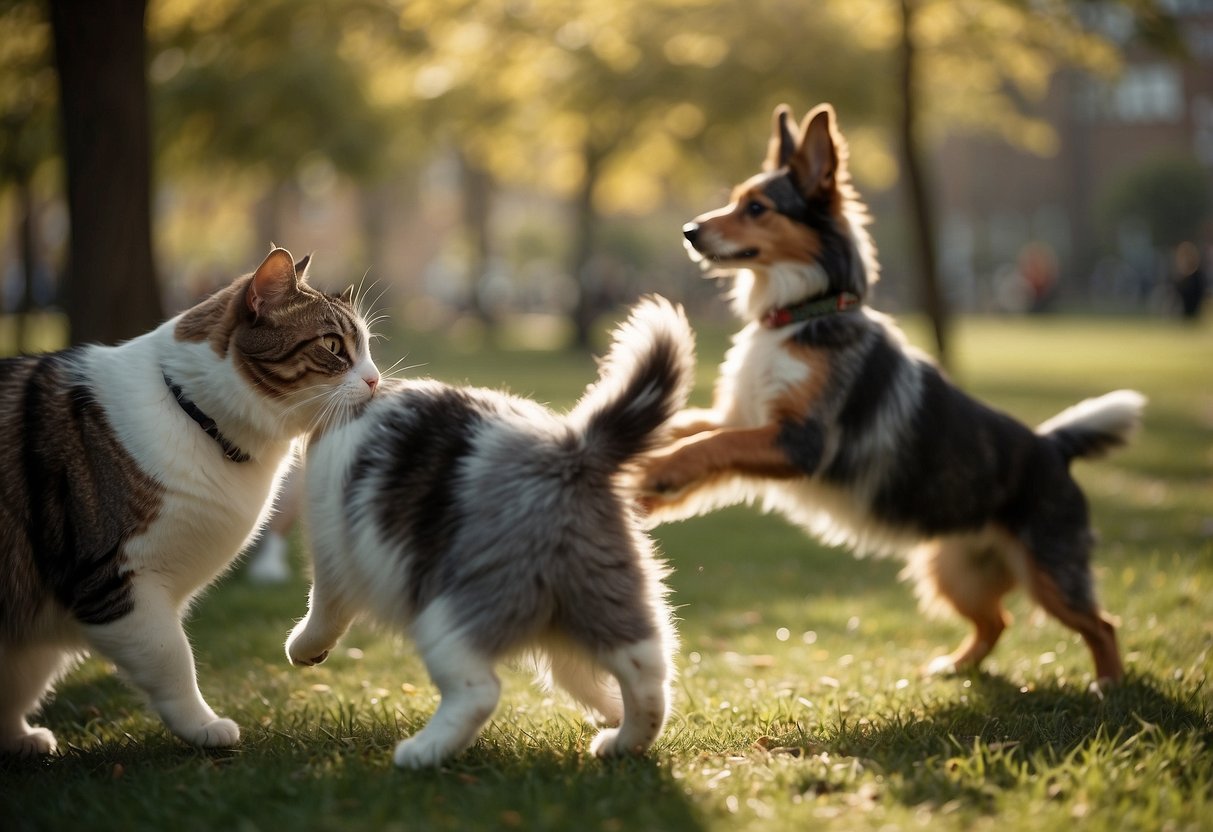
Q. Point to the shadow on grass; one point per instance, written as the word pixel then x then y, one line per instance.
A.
pixel 1000 737
pixel 331 769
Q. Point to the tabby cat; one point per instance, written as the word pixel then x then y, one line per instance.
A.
pixel 132 475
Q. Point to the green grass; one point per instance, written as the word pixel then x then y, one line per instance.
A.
pixel 799 703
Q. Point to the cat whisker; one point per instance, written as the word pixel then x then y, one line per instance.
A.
pixel 360 291
pixel 320 417
pixel 378 297
pixel 324 391
pixel 396 368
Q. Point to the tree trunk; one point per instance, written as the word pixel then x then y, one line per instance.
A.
pixel 586 221
pixel 476 190
pixel 29 264
pixel 109 290
pixel 918 193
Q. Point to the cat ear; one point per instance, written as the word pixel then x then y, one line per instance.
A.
pixel 348 295
pixel 301 267
pixel 274 279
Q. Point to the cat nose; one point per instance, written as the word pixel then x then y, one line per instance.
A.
pixel 691 231
pixel 372 381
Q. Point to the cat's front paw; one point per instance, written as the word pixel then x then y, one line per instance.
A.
pixel 302 650
pixel 420 751
pixel 35 742
pixel 608 744
pixel 219 733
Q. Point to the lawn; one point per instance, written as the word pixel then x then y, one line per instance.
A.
pixel 799 703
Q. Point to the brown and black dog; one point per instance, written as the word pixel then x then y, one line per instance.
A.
pixel 824 413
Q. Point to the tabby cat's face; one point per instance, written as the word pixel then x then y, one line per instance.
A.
pixel 305 350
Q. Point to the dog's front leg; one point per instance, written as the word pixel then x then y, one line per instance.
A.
pixel 692 421
pixel 707 455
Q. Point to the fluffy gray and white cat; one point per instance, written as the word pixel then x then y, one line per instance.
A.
pixel 486 526
pixel 132 475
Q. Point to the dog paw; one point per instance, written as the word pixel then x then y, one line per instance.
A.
pixel 940 666
pixel 219 733
pixel 35 742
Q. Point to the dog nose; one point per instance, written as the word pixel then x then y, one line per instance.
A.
pixel 691 231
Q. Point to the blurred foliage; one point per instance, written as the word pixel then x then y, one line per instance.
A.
pixel 28 96
pixel 1167 195
pixel 266 85
pixel 526 86
pixel 618 107
pixel 656 91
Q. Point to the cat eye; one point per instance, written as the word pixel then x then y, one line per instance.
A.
pixel 333 344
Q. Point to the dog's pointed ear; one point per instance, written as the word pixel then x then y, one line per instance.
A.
pixel 783 141
pixel 818 153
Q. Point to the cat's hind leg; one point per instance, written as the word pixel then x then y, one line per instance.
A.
pixel 588 682
pixel 467 682
pixel 150 647
pixel 643 671
pixel 26 673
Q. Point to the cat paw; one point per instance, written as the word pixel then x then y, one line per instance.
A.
pixel 219 733
pixel 303 651
pixel 35 742
pixel 300 661
pixel 419 751
pixel 608 744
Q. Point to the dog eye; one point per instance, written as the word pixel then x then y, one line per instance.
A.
pixel 333 344
pixel 754 208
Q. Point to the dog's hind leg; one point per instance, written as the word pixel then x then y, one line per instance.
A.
pixel 1065 592
pixel 969 575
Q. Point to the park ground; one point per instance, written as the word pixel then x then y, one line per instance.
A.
pixel 799 703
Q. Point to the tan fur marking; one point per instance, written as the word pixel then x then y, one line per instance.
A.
pixel 213 319
pixel 748 451
pixel 955 570
pixel 776 237
pixel 1095 627
pixel 800 401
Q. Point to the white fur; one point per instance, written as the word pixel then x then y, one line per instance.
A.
pixel 357 570
pixel 211 507
pixel 781 284
pixel 535 493
pixel 1117 414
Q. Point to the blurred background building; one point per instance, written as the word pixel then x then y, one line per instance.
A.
pixel 1098 218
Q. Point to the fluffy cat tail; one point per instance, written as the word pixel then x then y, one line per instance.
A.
pixel 643 381
pixel 1093 427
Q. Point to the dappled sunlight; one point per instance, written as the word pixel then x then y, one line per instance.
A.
pixel 501 178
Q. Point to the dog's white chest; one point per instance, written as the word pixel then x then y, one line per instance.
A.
pixel 756 370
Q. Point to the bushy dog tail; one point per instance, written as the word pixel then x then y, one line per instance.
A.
pixel 1093 427
pixel 643 381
